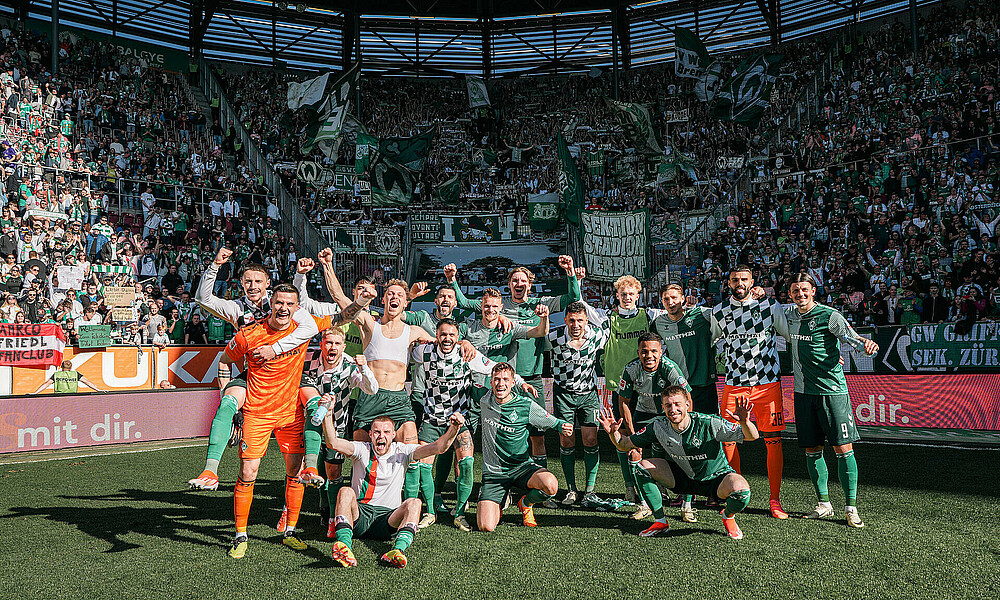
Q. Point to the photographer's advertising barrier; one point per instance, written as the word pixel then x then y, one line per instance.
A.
pixel 77 420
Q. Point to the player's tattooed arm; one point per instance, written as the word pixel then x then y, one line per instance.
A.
pixel 356 308
pixel 330 278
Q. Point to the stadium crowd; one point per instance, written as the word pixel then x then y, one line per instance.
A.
pixel 113 178
pixel 887 199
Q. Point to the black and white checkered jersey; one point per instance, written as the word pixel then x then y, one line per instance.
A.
pixel 448 380
pixel 338 381
pixel 572 369
pixel 748 330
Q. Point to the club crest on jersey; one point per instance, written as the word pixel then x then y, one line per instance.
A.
pixel 513 415
pixel 812 324
pixel 660 383
pixel 695 441
pixel 755 313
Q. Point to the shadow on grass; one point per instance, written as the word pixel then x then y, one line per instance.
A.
pixel 110 517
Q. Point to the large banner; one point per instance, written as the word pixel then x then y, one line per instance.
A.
pixel 125 368
pixel 939 345
pixel 424 227
pixel 616 244
pixel 31 345
pixel 927 348
pixel 478 229
pixel 78 420
pixel 939 401
pixel 363 238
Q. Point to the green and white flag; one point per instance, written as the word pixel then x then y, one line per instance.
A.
pixel 324 130
pixel 691 56
pixel 449 191
pixel 708 82
pixel 745 96
pixel 570 184
pixel 478 96
pixel 308 93
pixel 543 210
pixel 393 166
pixel 638 125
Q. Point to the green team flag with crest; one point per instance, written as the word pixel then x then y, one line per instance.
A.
pixel 570 184
pixel 638 125
pixel 543 210
pixel 326 124
pixel 745 96
pixel 392 165
pixel 449 191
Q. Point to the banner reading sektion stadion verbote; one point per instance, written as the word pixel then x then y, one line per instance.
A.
pixel 615 244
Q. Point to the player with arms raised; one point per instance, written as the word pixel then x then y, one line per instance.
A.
pixel 692 442
pixel 822 406
pixel 373 506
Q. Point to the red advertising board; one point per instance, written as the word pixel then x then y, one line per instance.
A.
pixel 70 421
pixel 940 400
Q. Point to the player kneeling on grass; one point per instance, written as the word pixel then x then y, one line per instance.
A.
pixel 506 416
pixel 696 463
pixel 373 506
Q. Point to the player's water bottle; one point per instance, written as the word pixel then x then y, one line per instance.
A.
pixel 320 414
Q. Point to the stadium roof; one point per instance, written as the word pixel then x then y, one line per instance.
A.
pixel 452 37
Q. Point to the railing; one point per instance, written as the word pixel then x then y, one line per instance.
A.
pixel 295 224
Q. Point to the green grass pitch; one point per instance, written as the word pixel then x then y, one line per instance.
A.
pixel 124 526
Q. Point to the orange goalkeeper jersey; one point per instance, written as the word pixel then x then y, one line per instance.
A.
pixel 272 385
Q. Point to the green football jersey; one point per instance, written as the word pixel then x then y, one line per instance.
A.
pixel 623 344
pixel 429 321
pixel 496 345
pixel 505 431
pixel 698 449
pixel 646 387
pixel 813 340
pixel 530 352
pixel 688 342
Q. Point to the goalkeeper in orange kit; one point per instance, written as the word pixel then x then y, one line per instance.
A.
pixel 272 405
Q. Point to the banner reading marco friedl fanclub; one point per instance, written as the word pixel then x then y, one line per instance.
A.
pixel 615 244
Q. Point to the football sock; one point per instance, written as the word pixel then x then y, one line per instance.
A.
pixel 591 460
pixel 686 501
pixel 535 496
pixel 818 474
pixel 541 460
pixel 218 435
pixel 242 497
pixel 411 482
pixel 444 464
pixel 344 531
pixel 567 456
pixel 847 472
pixel 313 439
pixel 427 485
pixel 332 488
pixel 732 455
pixel 736 502
pixel 463 484
pixel 649 490
pixel 293 499
pixel 775 465
pixel 627 473
pixel 404 537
